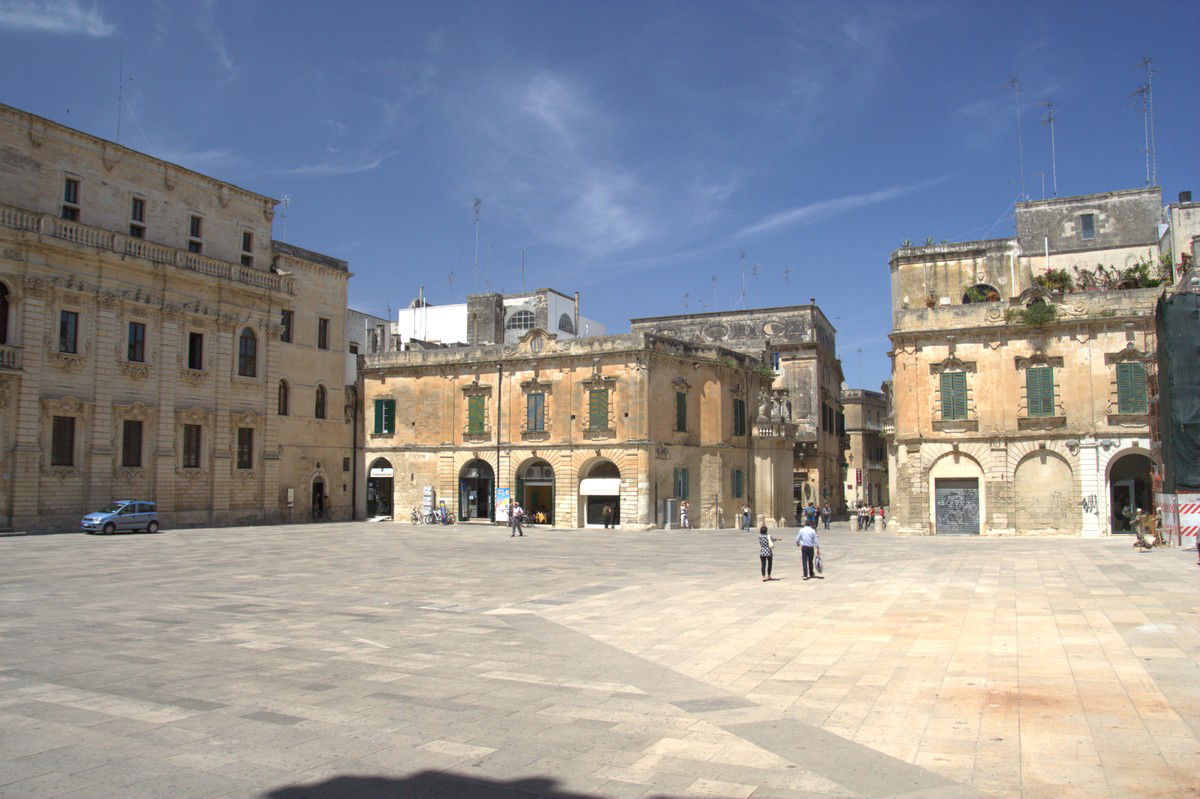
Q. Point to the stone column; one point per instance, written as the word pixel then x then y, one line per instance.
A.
pixel 1091 489
pixel 27 454
pixel 220 457
pixel 106 350
pixel 169 364
pixel 269 488
pixel 645 501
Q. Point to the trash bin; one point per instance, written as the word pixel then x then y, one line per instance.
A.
pixel 669 513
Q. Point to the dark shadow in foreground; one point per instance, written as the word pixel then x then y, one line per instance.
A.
pixel 429 785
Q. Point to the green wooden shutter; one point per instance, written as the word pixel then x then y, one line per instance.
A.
pixel 739 417
pixel 598 409
pixel 954 395
pixel 378 416
pixel 736 480
pixel 389 416
pixel 1131 388
pixel 475 415
pixel 680 412
pixel 1039 390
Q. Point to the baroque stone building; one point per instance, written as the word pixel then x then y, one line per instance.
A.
pixel 1020 370
pixel 569 426
pixel 158 344
pixel 799 344
pixel 866 448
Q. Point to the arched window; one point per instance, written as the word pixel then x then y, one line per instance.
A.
pixel 565 324
pixel 3 314
pixel 319 410
pixel 247 354
pixel 521 320
pixel 980 292
pixel 283 398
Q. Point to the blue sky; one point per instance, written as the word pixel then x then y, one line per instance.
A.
pixel 636 152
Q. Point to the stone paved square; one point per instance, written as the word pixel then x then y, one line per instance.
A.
pixel 358 660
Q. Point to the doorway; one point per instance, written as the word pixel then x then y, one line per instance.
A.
pixel 1129 491
pixel 956 506
pixel 476 487
pixel 535 491
pixel 379 488
pixel 318 499
pixel 600 487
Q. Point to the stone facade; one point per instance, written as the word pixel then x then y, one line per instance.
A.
pixel 568 426
pixel 866 448
pixel 799 344
pixel 145 305
pixel 1017 409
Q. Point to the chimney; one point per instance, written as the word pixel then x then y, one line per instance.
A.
pixel 1185 196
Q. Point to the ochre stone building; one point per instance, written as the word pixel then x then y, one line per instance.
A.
pixel 799 344
pixel 569 426
pixel 866 447
pixel 158 344
pixel 1021 371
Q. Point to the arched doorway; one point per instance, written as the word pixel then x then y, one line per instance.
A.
pixel 600 486
pixel 1045 499
pixel 476 487
pixel 318 498
pixel 535 491
pixel 379 488
pixel 1128 490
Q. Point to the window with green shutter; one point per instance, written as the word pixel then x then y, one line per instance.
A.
pixel 1039 390
pixel 385 416
pixel 737 481
pixel 475 419
pixel 681 483
pixel 739 417
pixel 680 412
pixel 535 412
pixel 598 409
pixel 954 395
pixel 1131 388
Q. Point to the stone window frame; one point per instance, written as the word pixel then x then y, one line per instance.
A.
pixel 258 361
pixel 73 407
pixel 84 320
pixel 598 382
pixel 953 364
pixel 1130 354
pixel 1057 419
pixel 475 389
pixel 320 401
pixel 133 412
pixel 536 386
pixel 202 418
pixel 682 387
pixel 252 421
pixel 138 370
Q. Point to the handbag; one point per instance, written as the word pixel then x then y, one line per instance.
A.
pixel 818 564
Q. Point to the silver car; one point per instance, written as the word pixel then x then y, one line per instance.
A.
pixel 124 514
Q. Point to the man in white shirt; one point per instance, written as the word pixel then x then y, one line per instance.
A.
pixel 809 545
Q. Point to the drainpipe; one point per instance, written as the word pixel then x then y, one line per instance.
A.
pixel 354 452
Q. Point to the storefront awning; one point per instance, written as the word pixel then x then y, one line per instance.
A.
pixel 600 487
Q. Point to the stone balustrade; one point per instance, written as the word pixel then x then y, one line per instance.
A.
pixel 10 357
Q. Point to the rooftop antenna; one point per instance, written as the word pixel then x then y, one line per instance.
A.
pixel 286 201
pixel 522 270
pixel 1049 120
pixel 787 275
pixel 685 300
pixel 1016 87
pixel 475 206
pixel 120 94
pixel 1150 146
pixel 742 270
pixel 1042 175
pixel 450 282
pixel 713 290
pixel 1142 94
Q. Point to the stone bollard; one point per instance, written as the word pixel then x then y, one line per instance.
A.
pixel 878 523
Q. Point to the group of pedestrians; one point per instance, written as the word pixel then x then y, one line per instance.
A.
pixel 810 552
pixel 866 513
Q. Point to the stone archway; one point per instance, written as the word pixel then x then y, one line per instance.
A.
pixel 535 490
pixel 599 487
pixel 476 490
pixel 380 497
pixel 1129 490
pixel 1044 496
pixel 957 495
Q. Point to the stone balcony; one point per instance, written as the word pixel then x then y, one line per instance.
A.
pixel 48 225
pixel 776 430
pixel 10 357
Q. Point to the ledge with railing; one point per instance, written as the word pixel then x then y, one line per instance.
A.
pixel 775 429
pixel 10 357
pixel 88 236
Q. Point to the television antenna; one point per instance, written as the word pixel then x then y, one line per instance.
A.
pixel 285 201
pixel 1049 121
pixel 1146 92
pixel 1016 87
pixel 475 206
pixel 742 271
pixel 685 300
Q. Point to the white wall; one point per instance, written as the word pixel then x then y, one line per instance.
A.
pixel 442 323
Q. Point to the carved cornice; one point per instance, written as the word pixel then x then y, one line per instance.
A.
pixel 1038 359
pixel 193 377
pixel 598 381
pixel 536 386
pixel 474 389
pixel 136 371
pixel 1130 353
pixel 951 364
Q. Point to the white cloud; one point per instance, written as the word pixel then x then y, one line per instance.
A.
pixel 334 168
pixel 827 208
pixel 61 17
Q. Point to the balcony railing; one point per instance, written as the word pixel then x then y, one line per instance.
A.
pixel 775 430
pixel 10 357
pixel 49 225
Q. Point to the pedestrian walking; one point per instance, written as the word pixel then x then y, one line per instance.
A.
pixel 766 552
pixel 746 518
pixel 606 515
pixel 810 515
pixel 882 518
pixel 826 515
pixel 810 547
pixel 684 524
pixel 514 519
pixel 799 513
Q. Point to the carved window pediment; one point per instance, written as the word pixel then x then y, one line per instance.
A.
pixel 1130 353
pixel 536 386
pixel 681 384
pixel 474 389
pixel 1038 359
pixel 598 381
pixel 951 364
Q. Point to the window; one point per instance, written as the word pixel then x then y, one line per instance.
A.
pixel 68 332
pixel 775 361
pixel 196 234
pixel 247 248
pixel 283 398
pixel 322 334
pixel 245 448
pixel 739 417
pixel 195 350
pixel 565 324
pixel 62 448
pixel 3 314
pixel 681 483
pixel 286 318
pixel 137 218
pixel 1131 388
pixel 319 405
pixel 954 396
pixel 131 443
pixel 70 207
pixel 1039 390
pixel 385 416
pixel 345 464
pixel 1087 226
pixel 247 354
pixel 680 411
pixel 535 412
pixel 191 446
pixel 521 320
pixel 136 349
pixel 353 348
pixel 475 419
pixel 598 409
pixel 737 483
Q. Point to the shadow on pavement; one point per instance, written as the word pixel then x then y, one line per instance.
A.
pixel 430 785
